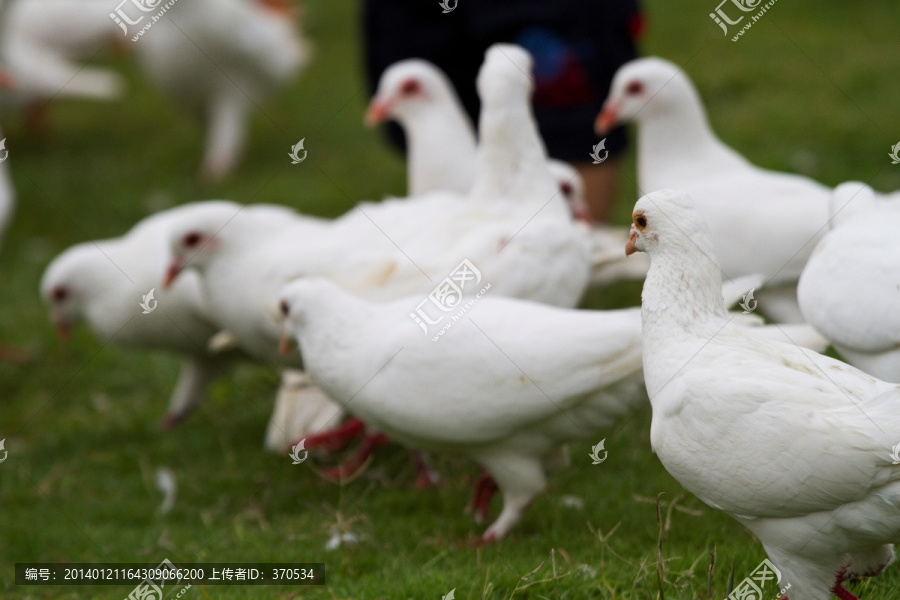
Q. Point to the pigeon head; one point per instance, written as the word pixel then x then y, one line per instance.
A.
pixel 72 281
pixel 197 234
pixel 639 88
pixel 668 221
pixel 406 89
pixel 571 186
pixel 850 199
pixel 505 72
pixel 298 299
pixel 299 296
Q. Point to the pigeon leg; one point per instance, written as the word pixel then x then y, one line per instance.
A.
pixel 839 591
pixel 520 479
pixel 426 476
pixel 195 375
pixel 336 439
pixel 352 465
pixel 478 493
pixel 483 510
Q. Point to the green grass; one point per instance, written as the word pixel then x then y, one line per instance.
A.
pixel 812 88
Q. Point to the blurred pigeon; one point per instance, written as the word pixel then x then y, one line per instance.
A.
pixel 780 215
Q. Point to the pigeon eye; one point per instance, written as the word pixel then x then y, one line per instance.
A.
pixel 410 87
pixel 59 294
pixel 566 189
pixel 192 239
pixel 634 88
pixel 641 221
pixel 285 309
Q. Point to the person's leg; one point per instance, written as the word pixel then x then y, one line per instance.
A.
pixel 601 184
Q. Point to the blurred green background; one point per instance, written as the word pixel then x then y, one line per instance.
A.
pixel 812 88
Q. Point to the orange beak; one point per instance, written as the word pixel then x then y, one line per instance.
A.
pixel 607 118
pixel 629 246
pixel 284 343
pixel 172 273
pixel 378 111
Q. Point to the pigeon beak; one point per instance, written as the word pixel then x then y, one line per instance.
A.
pixel 629 246
pixel 284 343
pixel 607 118
pixel 377 112
pixel 172 273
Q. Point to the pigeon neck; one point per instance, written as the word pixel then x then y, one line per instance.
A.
pixel 441 149
pixel 328 318
pixel 677 129
pixel 682 296
pixel 512 160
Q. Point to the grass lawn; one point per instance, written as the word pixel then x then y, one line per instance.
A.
pixel 812 88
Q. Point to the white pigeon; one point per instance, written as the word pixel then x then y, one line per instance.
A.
pixel 507 384
pixel 762 221
pixel 114 286
pixel 850 288
pixel 794 445
pixel 45 44
pixel 222 59
pixel 440 138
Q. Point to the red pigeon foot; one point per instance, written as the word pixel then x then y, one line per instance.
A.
pixel 335 440
pixel 353 466
pixel 485 487
pixel 426 476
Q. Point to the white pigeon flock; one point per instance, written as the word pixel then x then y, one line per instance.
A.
pixel 677 148
pixel 514 226
pixel 794 445
pixel 114 286
pixel 441 156
pixel 850 288
pixel 446 319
